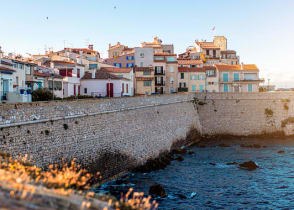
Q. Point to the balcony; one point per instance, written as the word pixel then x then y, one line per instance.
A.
pixel 250 80
pixel 159 72
pixel 159 83
pixel 182 89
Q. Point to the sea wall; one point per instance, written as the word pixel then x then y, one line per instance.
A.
pixel 245 114
pixel 111 135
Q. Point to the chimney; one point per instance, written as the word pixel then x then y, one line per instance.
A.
pixel 242 67
pixel 91 47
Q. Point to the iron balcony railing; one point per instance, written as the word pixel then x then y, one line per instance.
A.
pixel 157 72
pixel 159 83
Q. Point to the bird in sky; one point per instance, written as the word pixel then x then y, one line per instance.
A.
pixel 114 7
pixel 47 18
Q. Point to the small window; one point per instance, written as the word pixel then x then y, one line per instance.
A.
pixel 146 72
pixel 171 69
pixel 182 76
pixel 147 83
pixel 141 55
pixel 85 90
pixel 172 80
pixel 207 52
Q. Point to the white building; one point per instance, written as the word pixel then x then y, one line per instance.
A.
pixel 127 73
pixel 104 84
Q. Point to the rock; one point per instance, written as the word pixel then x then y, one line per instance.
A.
pixel 250 165
pixel 179 151
pixel 213 164
pixel 191 153
pixel 157 190
pixel 181 196
pixel 281 151
pixel 179 158
pixel 224 145
pixel 120 181
pixel 257 146
pixel 232 163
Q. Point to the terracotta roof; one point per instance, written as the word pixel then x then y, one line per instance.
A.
pixel 2 68
pixel 41 74
pixel 117 70
pixel 188 69
pixel 164 54
pixel 189 62
pixel 80 49
pixel 228 52
pixel 246 67
pixel 209 45
pixel 100 74
pixel 144 78
pixel 143 68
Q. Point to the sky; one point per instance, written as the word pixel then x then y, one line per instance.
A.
pixel 261 31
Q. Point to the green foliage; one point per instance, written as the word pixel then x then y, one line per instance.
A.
pixel 268 112
pixel 65 126
pixel 42 94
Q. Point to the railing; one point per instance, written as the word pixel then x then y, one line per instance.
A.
pixel 159 72
pixel 182 89
pixel 161 83
pixel 21 96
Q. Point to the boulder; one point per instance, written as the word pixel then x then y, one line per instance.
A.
pixel 179 158
pixel 232 163
pixel 179 151
pixel 257 146
pixel 157 190
pixel 223 145
pixel 281 151
pixel 181 196
pixel 191 153
pixel 213 164
pixel 250 165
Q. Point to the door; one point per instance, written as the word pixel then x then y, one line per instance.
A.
pixel 109 87
pixel 5 88
pixel 250 88
pixel 226 88
pixel 75 92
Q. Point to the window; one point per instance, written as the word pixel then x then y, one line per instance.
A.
pixel 127 89
pixel 207 52
pixel 78 73
pixel 236 77
pixel 147 83
pixel 15 65
pixel 16 79
pixel 193 88
pixel 146 72
pixel 201 88
pixel 127 57
pixel 182 76
pixel 250 76
pixel 141 55
pixel 122 87
pixel 141 64
pixel 171 69
pixel 132 58
pixel 182 84
pixel 93 66
pixel 170 59
pixel 250 88
pixel 225 77
pixel 210 73
pixel 20 66
pixel 214 53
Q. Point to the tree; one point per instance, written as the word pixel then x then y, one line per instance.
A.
pixel 42 94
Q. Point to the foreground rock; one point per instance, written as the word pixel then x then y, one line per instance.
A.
pixel 157 190
pixel 281 151
pixel 179 151
pixel 250 165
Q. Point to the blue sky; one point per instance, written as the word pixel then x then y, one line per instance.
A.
pixel 260 30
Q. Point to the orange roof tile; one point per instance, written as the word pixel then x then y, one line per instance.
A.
pixel 189 62
pixel 117 70
pixel 207 45
pixel 246 67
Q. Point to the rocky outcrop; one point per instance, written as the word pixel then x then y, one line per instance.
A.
pixel 250 165
pixel 157 190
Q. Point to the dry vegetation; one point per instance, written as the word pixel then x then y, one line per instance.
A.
pixel 59 187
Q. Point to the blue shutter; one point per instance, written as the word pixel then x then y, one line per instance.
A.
pixel 120 65
pixel 114 64
pixel 127 57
